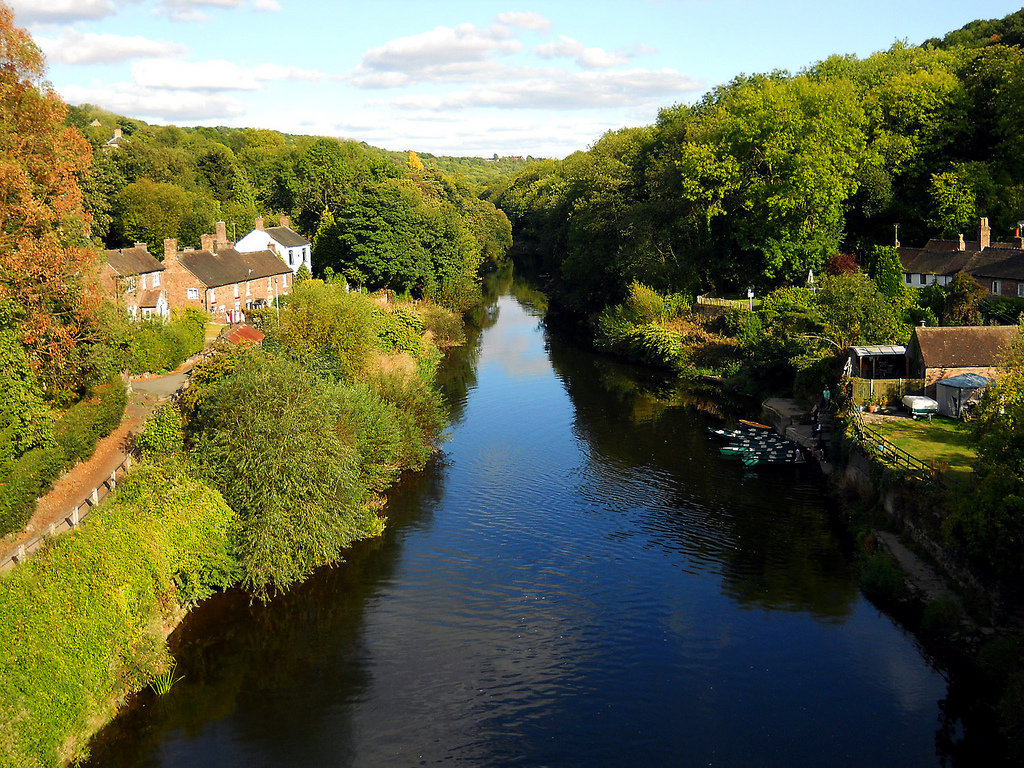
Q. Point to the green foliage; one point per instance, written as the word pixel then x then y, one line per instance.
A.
pixel 881 578
pixel 445 327
pixel 963 296
pixel 399 330
pixel 163 433
pixel 87 421
pixel 887 272
pixel 158 346
pixel 327 330
pixel 855 311
pixel 988 521
pixel 647 306
pixel 82 619
pixel 267 436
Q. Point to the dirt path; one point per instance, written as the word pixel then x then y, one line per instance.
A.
pixel 75 485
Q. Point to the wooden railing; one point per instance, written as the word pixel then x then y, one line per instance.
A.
pixel 70 521
pixel 712 301
pixel 891 454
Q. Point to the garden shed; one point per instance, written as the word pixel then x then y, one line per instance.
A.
pixel 958 394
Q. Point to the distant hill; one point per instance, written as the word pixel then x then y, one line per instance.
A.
pixel 1008 30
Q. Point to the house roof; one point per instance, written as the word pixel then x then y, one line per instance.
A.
pixel 226 266
pixel 998 262
pixel 243 332
pixel 149 299
pixel 975 346
pixel 287 237
pixel 875 350
pixel 133 261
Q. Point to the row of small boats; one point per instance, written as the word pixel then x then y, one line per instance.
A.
pixel 758 445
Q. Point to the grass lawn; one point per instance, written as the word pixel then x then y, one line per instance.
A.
pixel 939 440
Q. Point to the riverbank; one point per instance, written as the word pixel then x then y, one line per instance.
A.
pixel 240 486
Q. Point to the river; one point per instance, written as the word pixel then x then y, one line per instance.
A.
pixel 579 579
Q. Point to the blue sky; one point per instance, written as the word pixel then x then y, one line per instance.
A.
pixel 448 76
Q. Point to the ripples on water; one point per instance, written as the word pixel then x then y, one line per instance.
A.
pixel 582 580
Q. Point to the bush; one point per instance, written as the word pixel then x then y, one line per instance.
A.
pixel 881 578
pixel 159 346
pixel 399 330
pixel 444 326
pixel 28 478
pixel 162 434
pixel 420 411
pixel 78 615
pixel 89 420
pixel 647 306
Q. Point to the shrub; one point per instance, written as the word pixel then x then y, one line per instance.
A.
pixel 160 346
pixel 89 420
pixel 162 433
pixel 881 578
pixel 399 330
pixel 420 411
pixel 445 326
pixel 83 619
pixel 647 305
pixel 27 479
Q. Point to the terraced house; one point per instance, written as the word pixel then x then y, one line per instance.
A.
pixel 135 278
pixel 997 266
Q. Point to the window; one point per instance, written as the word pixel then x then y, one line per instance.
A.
pixel 284 281
pixel 193 293
pixel 270 283
pixel 156 279
pixel 1020 290
pixel 248 288
pixel 213 297
pixel 291 258
pixel 143 282
pixel 146 312
pixel 129 283
pixel 995 287
pixel 907 279
pixel 236 290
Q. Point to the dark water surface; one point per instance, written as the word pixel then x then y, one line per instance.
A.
pixel 579 580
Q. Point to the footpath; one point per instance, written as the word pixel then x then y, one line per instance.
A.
pixel 77 486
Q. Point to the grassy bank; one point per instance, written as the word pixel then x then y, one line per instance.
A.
pixel 270 465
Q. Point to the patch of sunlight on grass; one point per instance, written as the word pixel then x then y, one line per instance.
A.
pixel 939 441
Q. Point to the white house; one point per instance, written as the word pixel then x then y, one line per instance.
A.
pixel 292 247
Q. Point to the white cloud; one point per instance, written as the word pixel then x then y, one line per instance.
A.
pixel 59 11
pixel 417 56
pixel 565 47
pixel 73 47
pixel 525 20
pixel 192 10
pixel 556 89
pixel 598 58
pixel 216 75
pixel 588 58
pixel 281 72
pixel 154 104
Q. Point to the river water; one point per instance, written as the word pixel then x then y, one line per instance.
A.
pixel 580 579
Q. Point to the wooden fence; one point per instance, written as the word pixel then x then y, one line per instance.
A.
pixel 711 301
pixel 71 520
pixel 882 449
pixel 884 390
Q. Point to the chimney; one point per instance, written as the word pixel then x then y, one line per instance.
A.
pixel 1018 241
pixel 286 222
pixel 206 242
pixel 141 245
pixel 222 233
pixel 170 248
pixel 259 223
pixel 117 133
pixel 984 234
pixel 961 246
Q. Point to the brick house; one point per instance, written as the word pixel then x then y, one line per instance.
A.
pixel 940 353
pixel 220 280
pixel 283 240
pixel 997 266
pixel 134 277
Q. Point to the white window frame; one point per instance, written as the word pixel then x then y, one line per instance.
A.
pixel 156 279
pixel 130 283
pixel 997 288
pixel 1020 290
pixel 236 290
pixel 192 293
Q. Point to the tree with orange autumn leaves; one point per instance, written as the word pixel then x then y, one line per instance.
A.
pixel 46 267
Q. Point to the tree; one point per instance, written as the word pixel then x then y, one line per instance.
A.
pixel 44 227
pixel 988 522
pixel 963 294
